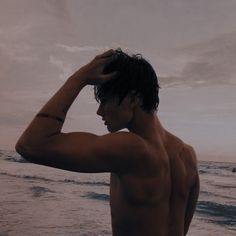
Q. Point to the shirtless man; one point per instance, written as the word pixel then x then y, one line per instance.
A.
pixel 154 183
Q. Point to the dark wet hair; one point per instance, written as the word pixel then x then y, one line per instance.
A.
pixel 135 75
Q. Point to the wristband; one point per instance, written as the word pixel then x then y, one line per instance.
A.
pixel 42 114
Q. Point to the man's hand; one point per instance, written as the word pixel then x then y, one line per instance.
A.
pixel 93 71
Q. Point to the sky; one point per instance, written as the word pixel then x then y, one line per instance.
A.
pixel 190 43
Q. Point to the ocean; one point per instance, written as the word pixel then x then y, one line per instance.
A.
pixel 37 200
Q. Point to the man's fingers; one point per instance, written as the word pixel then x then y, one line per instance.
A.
pixel 106 77
pixel 105 61
pixel 106 54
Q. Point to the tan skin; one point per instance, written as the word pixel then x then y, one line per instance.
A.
pixel 154 180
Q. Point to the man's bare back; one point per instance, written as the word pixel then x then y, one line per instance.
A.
pixel 155 199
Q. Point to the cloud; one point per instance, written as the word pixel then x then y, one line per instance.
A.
pixel 207 63
pixel 76 49
pixel 65 68
pixel 17 51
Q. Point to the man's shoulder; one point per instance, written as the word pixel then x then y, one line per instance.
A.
pixel 190 162
pixel 187 151
pixel 190 155
pixel 124 140
pixel 184 151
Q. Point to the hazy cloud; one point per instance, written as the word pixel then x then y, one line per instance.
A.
pixel 83 49
pixel 210 63
pixel 65 68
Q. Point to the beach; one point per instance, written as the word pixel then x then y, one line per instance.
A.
pixel 37 200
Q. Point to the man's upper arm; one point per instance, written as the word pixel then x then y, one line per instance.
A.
pixel 89 153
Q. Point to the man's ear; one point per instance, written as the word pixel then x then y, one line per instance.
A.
pixel 134 99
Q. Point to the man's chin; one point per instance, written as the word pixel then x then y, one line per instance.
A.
pixel 112 129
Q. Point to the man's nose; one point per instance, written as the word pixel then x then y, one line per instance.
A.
pixel 99 110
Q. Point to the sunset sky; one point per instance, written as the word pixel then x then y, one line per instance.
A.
pixel 190 43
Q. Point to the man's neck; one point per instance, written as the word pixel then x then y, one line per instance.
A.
pixel 146 125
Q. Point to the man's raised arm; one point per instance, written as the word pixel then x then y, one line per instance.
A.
pixel 43 143
pixel 50 119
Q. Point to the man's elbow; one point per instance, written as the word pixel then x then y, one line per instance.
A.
pixel 21 148
pixel 26 151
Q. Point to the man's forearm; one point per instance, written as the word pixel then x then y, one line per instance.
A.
pixel 61 101
pixel 50 118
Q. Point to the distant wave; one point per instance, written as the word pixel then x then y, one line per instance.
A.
pixel 202 171
pixel 220 213
pixel 216 168
pixel 15 159
pixel 225 185
pixel 103 183
pixel 26 177
pixel 32 177
pixel 12 156
pixel 39 191
pixel 96 196
pixel 207 193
